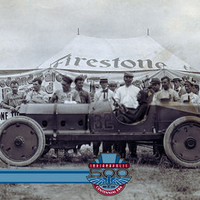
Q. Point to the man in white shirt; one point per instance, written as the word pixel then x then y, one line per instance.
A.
pixel 167 94
pixel 178 87
pixel 104 94
pixel 127 95
pixel 190 97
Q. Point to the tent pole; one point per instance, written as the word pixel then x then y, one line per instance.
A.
pixel 148 32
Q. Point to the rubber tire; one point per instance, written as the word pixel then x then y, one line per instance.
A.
pixel 168 138
pixel 38 130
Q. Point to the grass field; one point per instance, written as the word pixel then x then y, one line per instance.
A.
pixel 152 179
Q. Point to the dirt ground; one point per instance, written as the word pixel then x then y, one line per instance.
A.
pixel 151 180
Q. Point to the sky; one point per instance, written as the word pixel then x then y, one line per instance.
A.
pixel 32 31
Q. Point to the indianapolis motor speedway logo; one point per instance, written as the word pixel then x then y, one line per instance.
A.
pixel 109 174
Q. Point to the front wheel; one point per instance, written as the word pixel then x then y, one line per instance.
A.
pixel 22 141
pixel 182 142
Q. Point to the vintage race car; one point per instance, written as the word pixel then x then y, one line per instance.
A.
pixel 39 127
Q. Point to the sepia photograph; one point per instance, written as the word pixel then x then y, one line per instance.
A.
pixel 99 99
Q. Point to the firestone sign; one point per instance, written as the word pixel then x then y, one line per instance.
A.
pixel 116 63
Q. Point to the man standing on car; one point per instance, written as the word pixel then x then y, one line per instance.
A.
pixel 37 95
pixel 126 95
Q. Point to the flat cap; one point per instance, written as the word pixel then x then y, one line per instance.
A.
pixel 155 80
pixel 103 80
pixel 80 77
pixel 67 79
pixel 128 74
pixel 176 79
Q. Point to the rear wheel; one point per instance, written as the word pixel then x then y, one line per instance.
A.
pixel 182 142
pixel 21 141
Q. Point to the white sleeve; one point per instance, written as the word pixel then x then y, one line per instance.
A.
pixel 117 95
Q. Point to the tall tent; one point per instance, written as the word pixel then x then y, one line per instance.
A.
pixel 100 56
pixel 97 57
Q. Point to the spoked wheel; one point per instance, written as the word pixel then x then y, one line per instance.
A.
pixel 21 141
pixel 182 142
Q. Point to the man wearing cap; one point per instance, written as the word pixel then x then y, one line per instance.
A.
pixel 166 94
pixel 153 88
pixel 155 84
pixel 67 94
pixel 126 95
pixel 107 147
pixel 189 97
pixel 84 95
pixel 104 94
pixel 177 86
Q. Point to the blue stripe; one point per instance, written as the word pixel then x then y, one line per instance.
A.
pixel 72 176
pixel 42 171
pixel 18 182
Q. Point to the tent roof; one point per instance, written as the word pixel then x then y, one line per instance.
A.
pixel 5 72
pixel 85 53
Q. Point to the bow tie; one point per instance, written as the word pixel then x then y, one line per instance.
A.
pixel 104 93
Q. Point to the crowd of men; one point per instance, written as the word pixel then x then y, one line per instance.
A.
pixel 129 101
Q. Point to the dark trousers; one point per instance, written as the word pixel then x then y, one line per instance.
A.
pixel 158 149
pixel 96 146
pixel 121 149
pixel 107 147
pixel 133 149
